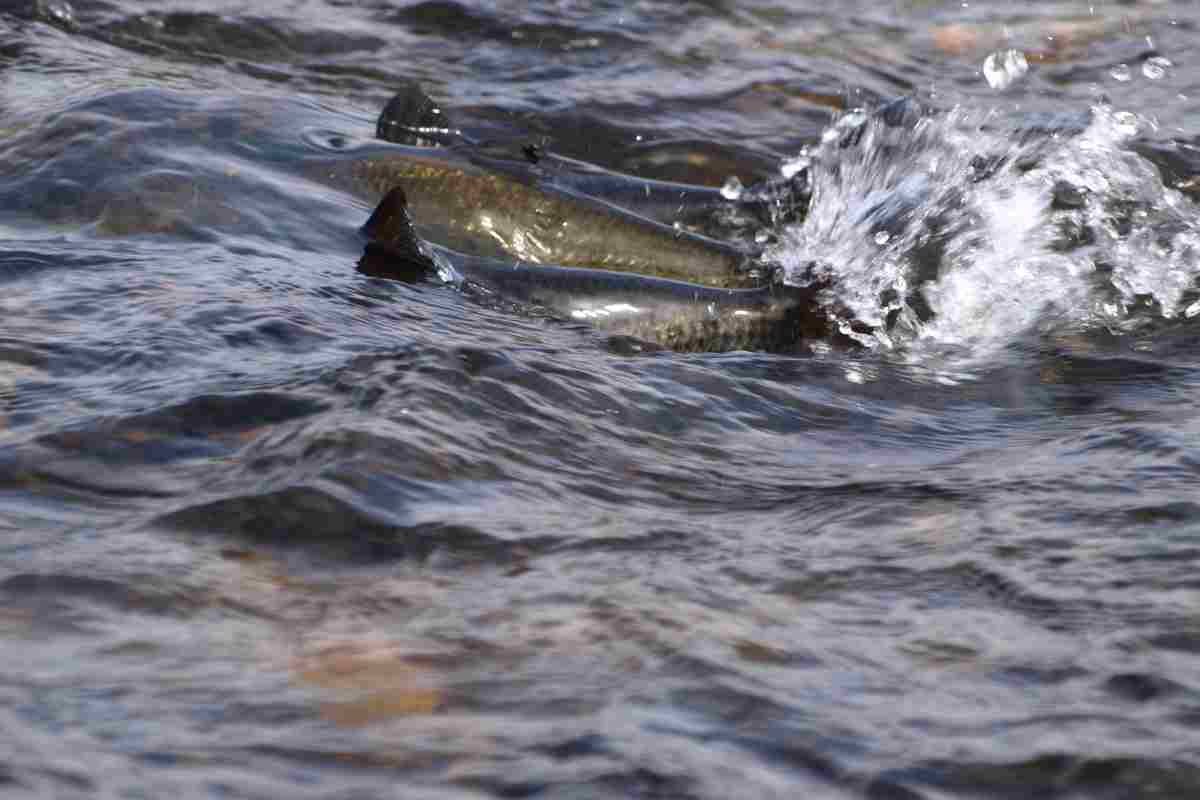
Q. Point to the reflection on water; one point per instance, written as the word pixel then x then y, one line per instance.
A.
pixel 271 526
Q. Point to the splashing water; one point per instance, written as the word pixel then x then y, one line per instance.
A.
pixel 1002 70
pixel 956 232
pixel 1156 67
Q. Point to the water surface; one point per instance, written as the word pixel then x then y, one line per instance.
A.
pixel 273 527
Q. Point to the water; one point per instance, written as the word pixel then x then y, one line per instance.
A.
pixel 274 527
pixel 982 240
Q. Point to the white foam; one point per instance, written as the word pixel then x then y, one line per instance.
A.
pixel 938 258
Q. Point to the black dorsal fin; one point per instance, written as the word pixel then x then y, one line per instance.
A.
pixel 392 238
pixel 412 117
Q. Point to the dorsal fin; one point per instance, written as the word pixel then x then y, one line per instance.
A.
pixel 411 117
pixel 391 234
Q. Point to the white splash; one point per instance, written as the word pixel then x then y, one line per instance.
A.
pixel 957 235
pixel 1004 68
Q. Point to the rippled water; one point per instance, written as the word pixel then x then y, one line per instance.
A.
pixel 272 527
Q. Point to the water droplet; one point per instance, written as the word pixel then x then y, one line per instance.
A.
pixel 853 118
pixel 1192 310
pixel 762 236
pixel 1120 72
pixel 732 190
pixel 1002 69
pixel 795 165
pixel 58 11
pixel 1156 67
pixel 883 237
pixel 1126 122
pixel 678 226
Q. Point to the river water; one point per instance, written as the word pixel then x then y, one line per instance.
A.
pixel 272 527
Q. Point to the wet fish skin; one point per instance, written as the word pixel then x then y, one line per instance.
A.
pixel 481 209
pixel 539 207
pixel 697 208
pixel 412 117
pixel 682 316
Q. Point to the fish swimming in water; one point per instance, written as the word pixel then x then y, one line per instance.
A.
pixel 674 314
pixel 541 208
pixel 469 205
pixel 583 256
pixel 412 118
pixel 692 298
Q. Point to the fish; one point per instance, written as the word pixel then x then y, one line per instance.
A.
pixel 413 118
pixel 489 207
pixel 521 203
pixel 664 312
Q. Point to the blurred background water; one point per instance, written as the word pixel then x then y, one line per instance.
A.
pixel 271 527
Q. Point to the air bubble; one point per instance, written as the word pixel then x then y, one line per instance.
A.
pixel 1156 68
pixel 1003 68
pixel 732 190
pixel 1121 72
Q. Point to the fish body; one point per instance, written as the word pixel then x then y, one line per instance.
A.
pixel 675 314
pixel 583 242
pixel 507 209
pixel 682 316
